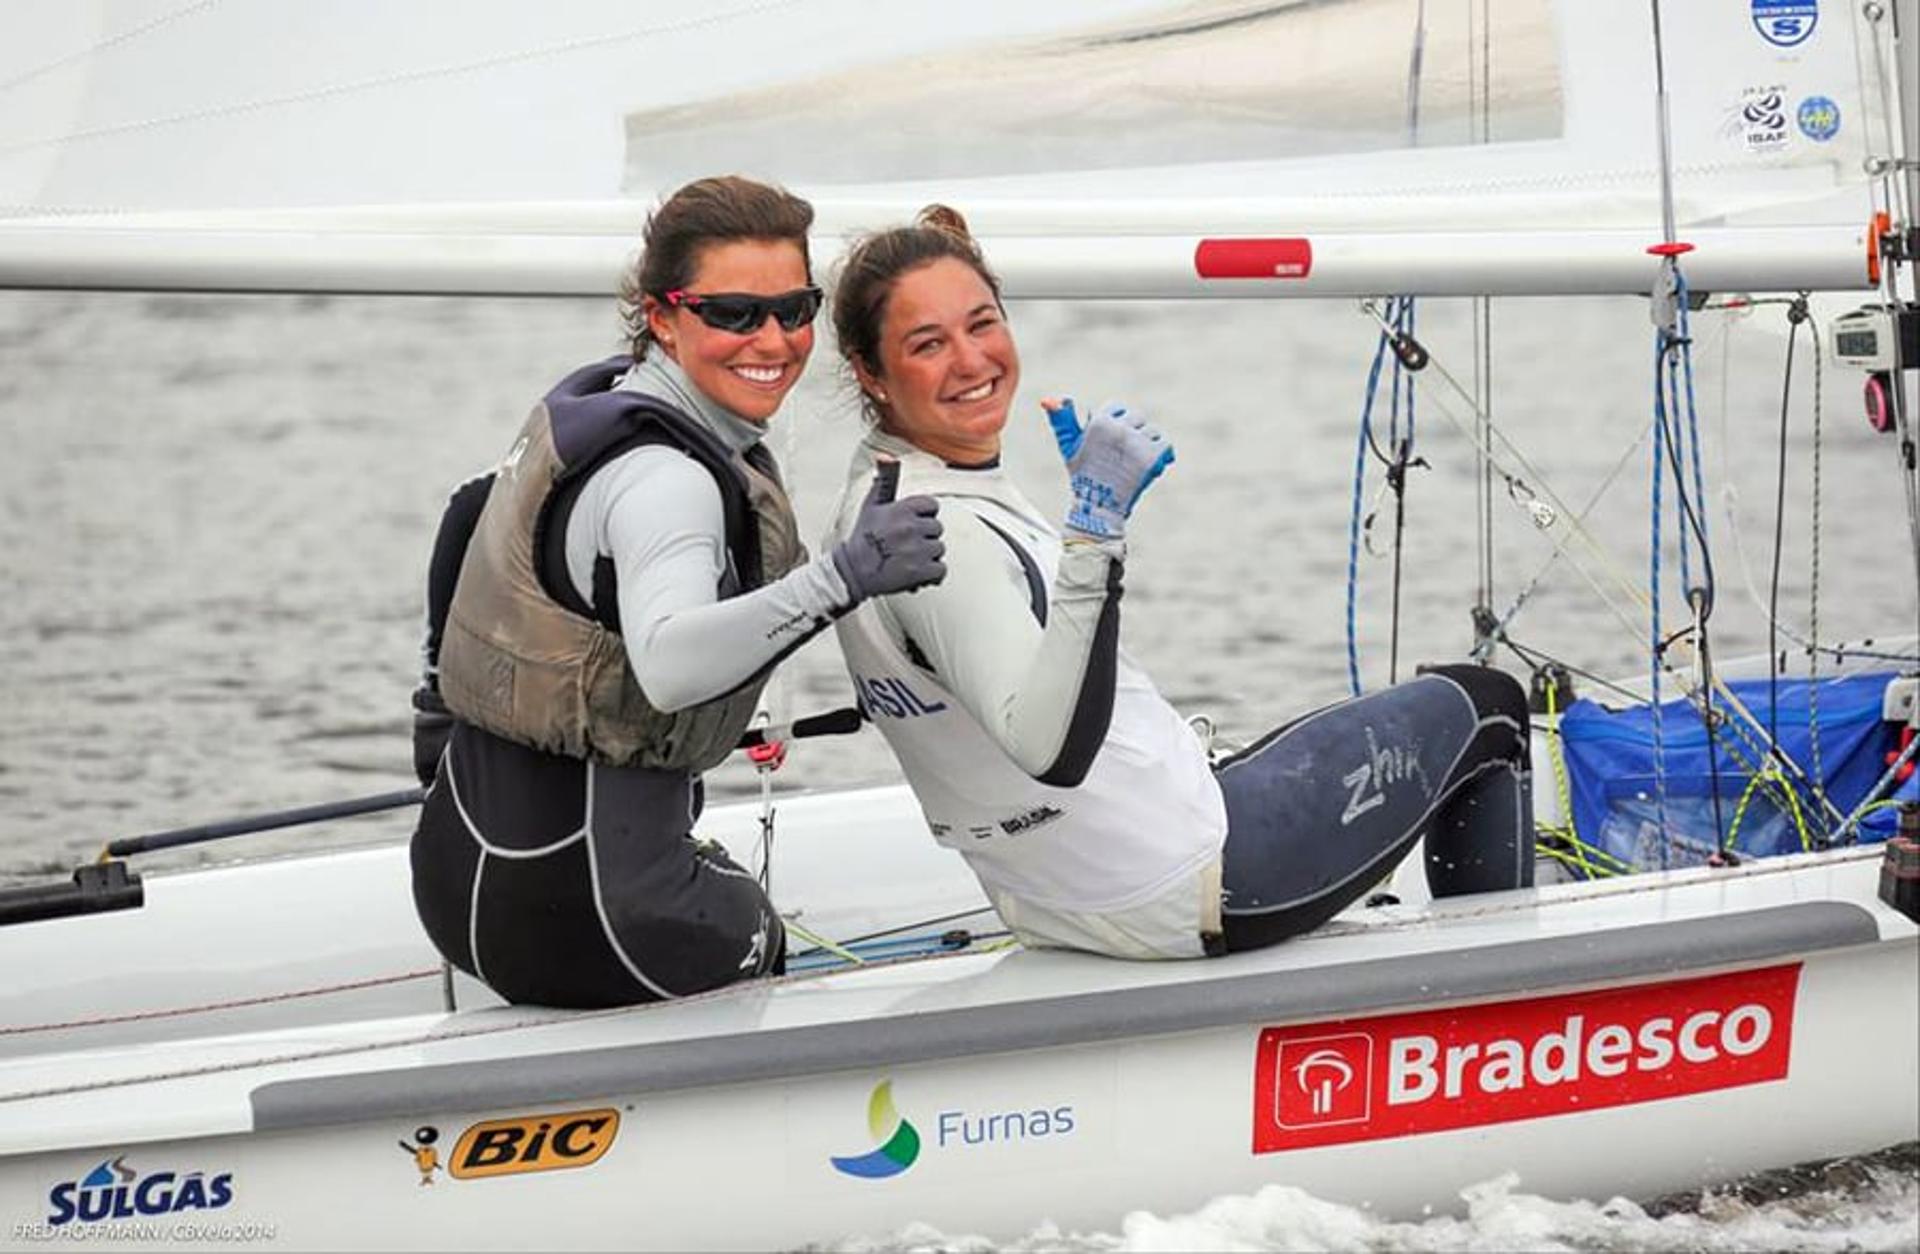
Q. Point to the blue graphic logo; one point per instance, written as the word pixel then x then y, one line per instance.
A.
pixel 899 1140
pixel 1785 23
pixel 1819 118
pixel 114 1190
pixel 900 1145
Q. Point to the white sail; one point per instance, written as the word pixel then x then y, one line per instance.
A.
pixel 502 151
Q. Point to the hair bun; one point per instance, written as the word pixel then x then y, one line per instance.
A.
pixel 946 220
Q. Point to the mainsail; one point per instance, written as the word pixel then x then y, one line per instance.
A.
pixel 1421 146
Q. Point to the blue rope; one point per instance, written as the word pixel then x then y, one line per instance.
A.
pixel 1359 505
pixel 1671 383
pixel 1693 419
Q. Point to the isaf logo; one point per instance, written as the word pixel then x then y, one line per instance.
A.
pixel 529 1143
pixel 1761 118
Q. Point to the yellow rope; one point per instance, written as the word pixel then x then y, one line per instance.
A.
pixel 1563 790
pixel 814 938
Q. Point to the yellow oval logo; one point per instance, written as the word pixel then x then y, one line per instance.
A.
pixel 504 1147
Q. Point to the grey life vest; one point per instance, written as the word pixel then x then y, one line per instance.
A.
pixel 525 657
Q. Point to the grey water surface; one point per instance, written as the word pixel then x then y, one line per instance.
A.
pixel 215 514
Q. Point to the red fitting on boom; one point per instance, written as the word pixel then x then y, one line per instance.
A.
pixel 1673 249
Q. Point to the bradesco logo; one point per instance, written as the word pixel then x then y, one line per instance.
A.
pixel 1322 1084
pixel 505 1147
pixel 114 1190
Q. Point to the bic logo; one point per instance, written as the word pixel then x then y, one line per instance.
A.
pixel 899 1141
pixel 1324 1080
pixel 504 1147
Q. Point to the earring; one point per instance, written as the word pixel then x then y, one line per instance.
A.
pixel 880 396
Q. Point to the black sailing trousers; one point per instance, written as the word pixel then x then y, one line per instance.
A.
pixel 560 882
pixel 1318 811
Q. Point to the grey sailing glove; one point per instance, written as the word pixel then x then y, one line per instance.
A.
pixel 1110 463
pixel 894 546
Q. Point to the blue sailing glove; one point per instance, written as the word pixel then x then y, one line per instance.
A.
pixel 1110 462
pixel 894 546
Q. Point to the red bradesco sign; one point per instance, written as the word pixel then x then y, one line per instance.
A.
pixel 1396 1075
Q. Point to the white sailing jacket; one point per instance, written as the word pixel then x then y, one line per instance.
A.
pixel 976 683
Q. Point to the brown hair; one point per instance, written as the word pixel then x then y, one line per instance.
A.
pixel 705 211
pixel 875 264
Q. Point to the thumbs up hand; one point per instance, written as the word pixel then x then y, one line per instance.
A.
pixel 1110 462
pixel 894 546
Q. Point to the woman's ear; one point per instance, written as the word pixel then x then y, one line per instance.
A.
pixel 868 383
pixel 659 323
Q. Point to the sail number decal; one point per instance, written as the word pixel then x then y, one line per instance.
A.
pixel 1401 1075
pixel 1253 258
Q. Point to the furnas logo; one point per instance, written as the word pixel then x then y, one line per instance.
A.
pixel 899 1140
pixel 507 1147
pixel 955 1130
pixel 114 1190
pixel 1397 1075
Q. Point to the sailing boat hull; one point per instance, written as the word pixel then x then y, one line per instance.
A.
pixel 1626 1037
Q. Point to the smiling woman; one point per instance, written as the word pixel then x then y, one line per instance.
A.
pixel 603 611
pixel 1040 752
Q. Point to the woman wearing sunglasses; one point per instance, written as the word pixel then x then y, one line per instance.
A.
pixel 1038 749
pixel 604 609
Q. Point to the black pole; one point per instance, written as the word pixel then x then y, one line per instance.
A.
pixel 129 845
pixel 833 723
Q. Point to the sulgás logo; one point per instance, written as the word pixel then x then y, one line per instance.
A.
pixel 899 1140
pixel 114 1190
pixel 1429 1071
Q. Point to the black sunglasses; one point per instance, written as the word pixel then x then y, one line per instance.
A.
pixel 741 313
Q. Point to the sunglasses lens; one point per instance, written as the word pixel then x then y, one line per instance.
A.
pixel 797 309
pixel 743 315
pixel 740 315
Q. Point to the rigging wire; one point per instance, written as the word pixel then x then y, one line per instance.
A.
pixel 1795 316
pixel 1480 105
pixel 1365 443
pixel 1887 165
pixel 1396 333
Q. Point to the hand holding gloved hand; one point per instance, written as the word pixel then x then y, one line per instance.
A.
pixel 1110 462
pixel 894 546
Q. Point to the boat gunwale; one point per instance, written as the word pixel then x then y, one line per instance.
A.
pixel 1331 991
